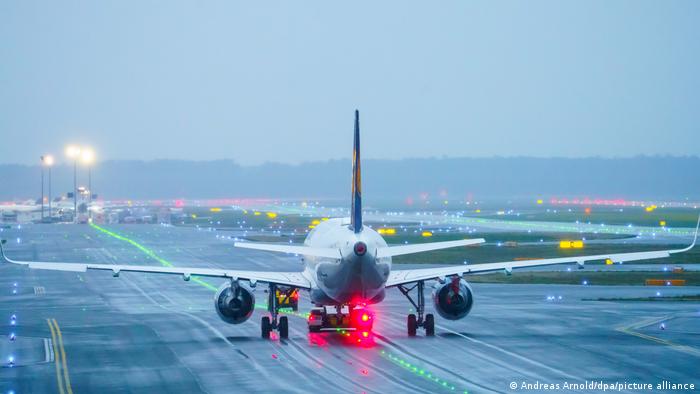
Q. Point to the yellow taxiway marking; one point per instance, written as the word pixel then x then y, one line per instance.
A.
pixel 56 359
pixel 60 358
pixel 630 330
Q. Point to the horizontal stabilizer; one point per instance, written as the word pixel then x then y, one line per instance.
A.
pixel 296 249
pixel 398 250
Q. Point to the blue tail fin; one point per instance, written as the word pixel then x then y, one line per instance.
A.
pixel 356 209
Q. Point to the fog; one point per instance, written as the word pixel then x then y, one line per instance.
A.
pixel 437 179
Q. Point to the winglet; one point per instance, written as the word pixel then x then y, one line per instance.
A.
pixel 695 238
pixel 2 251
pixel 356 207
pixel 5 259
pixel 692 245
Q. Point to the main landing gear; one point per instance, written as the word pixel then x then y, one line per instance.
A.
pixel 278 298
pixel 413 321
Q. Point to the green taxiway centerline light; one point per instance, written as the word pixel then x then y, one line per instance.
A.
pixel 419 372
pixel 150 253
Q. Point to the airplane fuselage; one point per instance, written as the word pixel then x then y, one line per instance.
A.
pixel 358 277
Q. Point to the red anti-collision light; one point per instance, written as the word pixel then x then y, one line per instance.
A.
pixel 360 248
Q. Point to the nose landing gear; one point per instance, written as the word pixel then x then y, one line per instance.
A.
pixel 277 299
pixel 413 321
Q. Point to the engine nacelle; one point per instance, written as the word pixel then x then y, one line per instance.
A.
pixel 454 299
pixel 234 304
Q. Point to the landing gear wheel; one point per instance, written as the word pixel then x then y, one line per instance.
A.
pixel 421 320
pixel 412 325
pixel 283 327
pixel 265 327
pixel 429 325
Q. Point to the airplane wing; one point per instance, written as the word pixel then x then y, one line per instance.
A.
pixel 296 249
pixel 400 277
pixel 398 250
pixel 295 279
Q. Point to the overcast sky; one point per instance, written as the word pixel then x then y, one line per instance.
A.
pixel 260 81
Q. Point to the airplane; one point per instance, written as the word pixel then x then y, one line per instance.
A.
pixel 347 266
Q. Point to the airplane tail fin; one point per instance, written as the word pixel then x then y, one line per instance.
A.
pixel 356 208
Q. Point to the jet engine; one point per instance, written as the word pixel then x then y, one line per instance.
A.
pixel 234 303
pixel 453 300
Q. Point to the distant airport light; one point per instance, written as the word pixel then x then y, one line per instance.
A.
pixel 662 223
pixel 87 156
pixel 387 231
pixel 587 211
pixel 426 234
pixel 566 244
pixel 256 213
pixel 73 151
pixel 48 160
pixel 650 208
pixel 540 202
pixel 271 215
pixel 608 262
pixel 215 209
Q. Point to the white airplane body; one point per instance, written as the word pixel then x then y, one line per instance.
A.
pixel 348 265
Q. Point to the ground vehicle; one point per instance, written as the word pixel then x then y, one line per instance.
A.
pixel 332 318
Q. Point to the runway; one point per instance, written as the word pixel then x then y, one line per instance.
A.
pixel 154 333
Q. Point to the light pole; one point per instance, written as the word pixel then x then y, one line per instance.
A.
pixel 48 161
pixel 73 152
pixel 88 157
pixel 42 187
